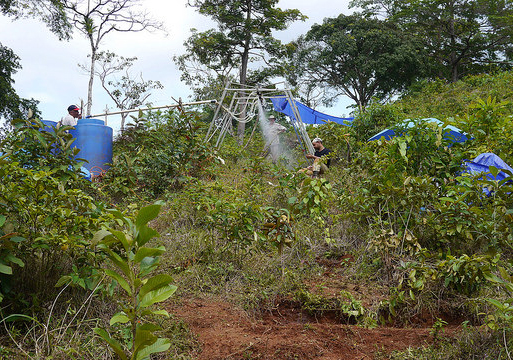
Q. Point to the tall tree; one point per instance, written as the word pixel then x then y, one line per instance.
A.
pixel 243 36
pixel 127 92
pixel 50 12
pixel 97 18
pixel 461 36
pixel 355 56
pixel 11 105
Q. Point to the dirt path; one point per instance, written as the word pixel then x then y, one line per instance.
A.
pixel 226 332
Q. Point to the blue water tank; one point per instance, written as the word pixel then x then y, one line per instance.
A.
pixel 95 143
pixel 91 121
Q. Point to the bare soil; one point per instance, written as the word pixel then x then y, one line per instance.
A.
pixel 287 332
pixel 226 332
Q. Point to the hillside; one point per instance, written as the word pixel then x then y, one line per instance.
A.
pixel 395 253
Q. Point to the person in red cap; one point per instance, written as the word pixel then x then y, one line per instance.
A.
pixel 72 118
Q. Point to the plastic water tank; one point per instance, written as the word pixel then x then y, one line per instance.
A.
pixel 95 143
pixel 91 121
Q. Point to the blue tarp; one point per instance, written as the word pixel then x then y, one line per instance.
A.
pixel 451 133
pixel 482 163
pixel 308 115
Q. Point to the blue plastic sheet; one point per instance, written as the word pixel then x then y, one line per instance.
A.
pixel 451 133
pixel 308 115
pixel 481 165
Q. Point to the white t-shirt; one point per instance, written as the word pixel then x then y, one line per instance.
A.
pixel 69 120
pixel 274 132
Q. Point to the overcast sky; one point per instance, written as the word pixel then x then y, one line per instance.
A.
pixel 51 74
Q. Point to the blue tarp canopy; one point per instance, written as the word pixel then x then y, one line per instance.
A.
pixel 308 115
pixel 482 163
pixel 451 133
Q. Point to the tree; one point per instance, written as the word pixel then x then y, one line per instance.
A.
pixel 50 12
pixel 461 36
pixel 126 93
pixel 11 105
pixel 355 56
pixel 97 18
pixel 243 36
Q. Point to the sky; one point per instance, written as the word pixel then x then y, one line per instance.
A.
pixel 50 71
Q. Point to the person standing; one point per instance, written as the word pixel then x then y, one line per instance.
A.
pixel 72 118
pixel 274 131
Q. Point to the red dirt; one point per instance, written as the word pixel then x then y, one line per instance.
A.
pixel 226 332
pixel 229 333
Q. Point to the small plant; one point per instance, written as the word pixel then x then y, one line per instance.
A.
pixel 438 326
pixel 133 262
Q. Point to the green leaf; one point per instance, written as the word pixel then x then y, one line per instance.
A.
pixel 5 269
pixel 145 234
pixel 13 259
pixel 158 346
pixel 114 344
pixel 145 252
pixel 121 280
pixel 63 280
pixel 493 170
pixel 119 262
pixel 154 283
pixel 2 220
pixel 142 339
pixel 158 295
pixel 155 312
pixel 120 317
pixel 100 235
pixel 146 214
pixel 496 303
pixel 121 236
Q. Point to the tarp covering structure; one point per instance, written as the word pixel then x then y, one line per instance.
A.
pixel 308 115
pixel 481 165
pixel 451 133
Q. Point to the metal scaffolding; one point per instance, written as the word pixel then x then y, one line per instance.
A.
pixel 242 107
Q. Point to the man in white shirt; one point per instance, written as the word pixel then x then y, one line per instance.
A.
pixel 275 130
pixel 72 118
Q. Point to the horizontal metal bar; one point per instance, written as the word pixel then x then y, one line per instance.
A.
pixel 155 108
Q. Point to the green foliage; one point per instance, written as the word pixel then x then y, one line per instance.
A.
pixel 460 37
pixel 8 258
pixel 11 105
pixel 158 153
pixel 466 274
pixel 374 119
pixel 132 263
pixel 44 201
pixel 357 56
pixel 34 148
pixel 278 229
pixel 345 305
pixel 489 122
pixel 437 98
pixel 243 36
pixel 312 198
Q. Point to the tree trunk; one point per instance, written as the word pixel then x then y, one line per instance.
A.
pixel 90 86
pixel 241 127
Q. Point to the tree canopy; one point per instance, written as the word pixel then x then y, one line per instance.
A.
pixel 461 36
pixel 51 12
pixel 244 35
pixel 11 105
pixel 356 56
